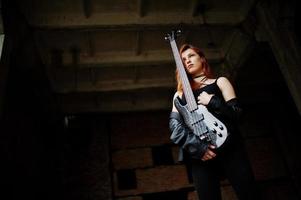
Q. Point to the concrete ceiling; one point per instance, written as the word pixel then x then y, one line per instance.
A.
pixel 111 56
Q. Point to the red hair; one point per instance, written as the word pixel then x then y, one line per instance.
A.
pixel 205 68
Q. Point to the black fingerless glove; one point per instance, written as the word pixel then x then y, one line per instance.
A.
pixel 186 139
pixel 230 110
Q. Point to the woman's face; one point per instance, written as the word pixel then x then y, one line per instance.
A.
pixel 192 62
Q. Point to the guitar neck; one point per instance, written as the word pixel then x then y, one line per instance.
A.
pixel 191 102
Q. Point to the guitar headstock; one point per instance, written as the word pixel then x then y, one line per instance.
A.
pixel 173 35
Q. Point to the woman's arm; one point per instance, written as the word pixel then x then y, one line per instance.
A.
pixel 228 106
pixel 226 88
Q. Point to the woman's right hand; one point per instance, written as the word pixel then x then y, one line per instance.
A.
pixel 204 98
pixel 209 154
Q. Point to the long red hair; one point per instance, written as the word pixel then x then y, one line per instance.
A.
pixel 205 68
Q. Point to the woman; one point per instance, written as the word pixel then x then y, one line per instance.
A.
pixel 207 163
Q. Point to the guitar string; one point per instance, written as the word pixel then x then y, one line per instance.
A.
pixel 186 85
pixel 184 81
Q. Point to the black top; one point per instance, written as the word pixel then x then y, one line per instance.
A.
pixel 211 88
pixel 232 127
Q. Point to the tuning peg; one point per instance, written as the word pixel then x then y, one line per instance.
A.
pixel 167 37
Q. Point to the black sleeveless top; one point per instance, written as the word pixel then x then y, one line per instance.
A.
pixel 213 88
pixel 233 131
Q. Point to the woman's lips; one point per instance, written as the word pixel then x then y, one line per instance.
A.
pixel 189 66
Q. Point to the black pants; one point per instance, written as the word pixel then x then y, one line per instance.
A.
pixel 231 163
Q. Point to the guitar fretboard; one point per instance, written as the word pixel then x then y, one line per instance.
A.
pixel 191 102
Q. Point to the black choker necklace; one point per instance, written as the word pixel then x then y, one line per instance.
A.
pixel 198 76
pixel 202 75
pixel 203 79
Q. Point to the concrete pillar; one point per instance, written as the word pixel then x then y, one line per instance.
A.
pixel 285 48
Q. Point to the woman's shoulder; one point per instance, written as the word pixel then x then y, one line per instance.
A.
pixel 216 81
pixel 226 88
pixel 222 80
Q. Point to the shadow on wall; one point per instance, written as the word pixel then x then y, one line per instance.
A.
pixel 270 125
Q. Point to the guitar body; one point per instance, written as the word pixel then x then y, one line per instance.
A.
pixel 202 123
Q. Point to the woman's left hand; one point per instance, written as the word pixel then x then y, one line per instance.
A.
pixel 204 98
pixel 209 154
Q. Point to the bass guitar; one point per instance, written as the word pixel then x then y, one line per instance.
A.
pixel 197 117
